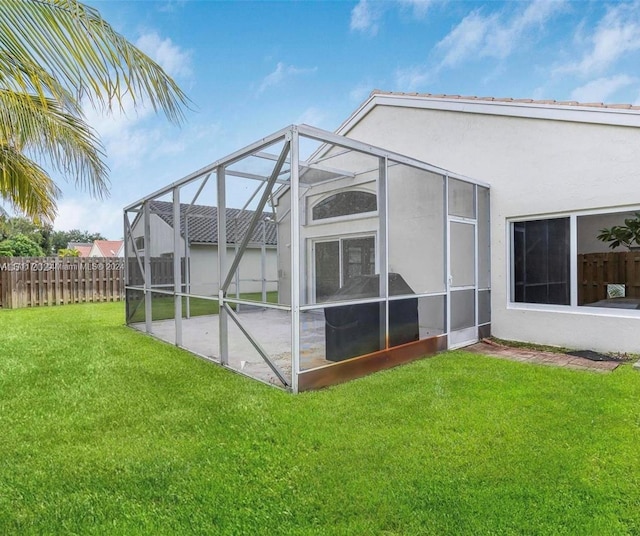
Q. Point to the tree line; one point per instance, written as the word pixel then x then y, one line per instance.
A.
pixel 20 237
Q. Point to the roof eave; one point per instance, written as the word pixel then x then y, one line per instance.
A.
pixel 525 108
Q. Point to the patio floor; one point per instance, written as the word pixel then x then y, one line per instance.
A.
pixel 270 328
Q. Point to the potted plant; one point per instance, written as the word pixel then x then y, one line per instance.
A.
pixel 623 235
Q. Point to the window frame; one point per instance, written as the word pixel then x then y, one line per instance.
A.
pixel 568 283
pixel 345 217
pixel 312 298
pixel 573 306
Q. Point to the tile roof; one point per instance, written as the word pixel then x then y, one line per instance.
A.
pixel 84 248
pixel 507 100
pixel 108 248
pixel 203 223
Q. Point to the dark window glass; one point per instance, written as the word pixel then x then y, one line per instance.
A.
pixel 358 257
pixel 541 261
pixel 344 204
pixel 327 269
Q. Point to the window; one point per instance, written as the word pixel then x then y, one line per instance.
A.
pixel 608 276
pixel 139 241
pixel 338 261
pixel 540 262
pixel 345 204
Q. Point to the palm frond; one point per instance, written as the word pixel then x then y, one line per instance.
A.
pixel 26 186
pixel 29 77
pixel 41 127
pixel 85 54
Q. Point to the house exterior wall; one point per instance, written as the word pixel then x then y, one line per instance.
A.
pixel 204 269
pixel 536 167
pixel 416 221
pixel 204 260
pixel 161 236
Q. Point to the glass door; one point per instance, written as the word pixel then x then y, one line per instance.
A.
pixel 337 261
pixel 463 325
pixel 327 269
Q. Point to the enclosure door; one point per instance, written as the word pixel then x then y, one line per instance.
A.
pixel 463 325
pixel 336 261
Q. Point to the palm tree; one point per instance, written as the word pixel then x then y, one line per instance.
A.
pixel 53 55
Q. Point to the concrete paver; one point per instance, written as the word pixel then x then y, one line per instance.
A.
pixel 542 358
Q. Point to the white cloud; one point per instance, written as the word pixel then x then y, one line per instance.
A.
pixel 494 35
pixel 412 78
pixel 467 39
pixel 361 92
pixel 128 132
pixel 174 60
pixel 601 89
pixel 419 7
pixel 122 132
pixel 171 6
pixel 281 73
pixel 123 117
pixel 506 36
pixel 617 34
pixel 365 16
pixel 312 116
pixel 91 215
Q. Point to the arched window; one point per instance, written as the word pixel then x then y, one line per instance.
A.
pixel 345 204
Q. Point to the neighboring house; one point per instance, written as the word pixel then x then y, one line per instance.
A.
pixel 559 172
pixel 83 248
pixel 200 224
pixel 107 248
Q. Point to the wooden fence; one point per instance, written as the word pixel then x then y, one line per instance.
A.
pixel 36 281
pixel 597 270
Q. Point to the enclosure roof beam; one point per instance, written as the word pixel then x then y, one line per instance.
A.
pixel 309 165
pixel 195 197
pixel 227 160
pixel 245 175
pixel 335 139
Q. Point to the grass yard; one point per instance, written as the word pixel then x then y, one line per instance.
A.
pixel 162 307
pixel 107 431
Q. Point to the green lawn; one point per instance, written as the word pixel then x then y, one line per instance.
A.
pixel 107 431
pixel 162 307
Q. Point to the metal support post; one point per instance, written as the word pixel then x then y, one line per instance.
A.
pixel 177 275
pixel 383 253
pixel 263 261
pixel 295 260
pixel 148 309
pixel 222 266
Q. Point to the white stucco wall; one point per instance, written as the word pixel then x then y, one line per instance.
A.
pixel 161 236
pixel 534 167
pixel 416 228
pixel 204 269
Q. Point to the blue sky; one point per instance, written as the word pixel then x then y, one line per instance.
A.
pixel 251 68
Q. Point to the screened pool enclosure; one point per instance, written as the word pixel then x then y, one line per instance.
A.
pixel 308 259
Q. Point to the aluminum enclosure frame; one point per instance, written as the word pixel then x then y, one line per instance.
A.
pixel 288 162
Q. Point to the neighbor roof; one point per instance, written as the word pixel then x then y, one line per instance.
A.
pixel 203 223
pixel 83 248
pixel 108 248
